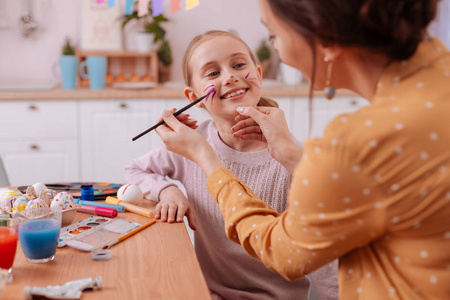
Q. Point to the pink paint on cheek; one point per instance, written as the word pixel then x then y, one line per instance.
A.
pixel 212 90
pixel 255 82
pixel 247 75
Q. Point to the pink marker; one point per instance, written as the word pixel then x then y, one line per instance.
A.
pixel 99 211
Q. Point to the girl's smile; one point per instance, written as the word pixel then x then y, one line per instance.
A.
pixel 233 94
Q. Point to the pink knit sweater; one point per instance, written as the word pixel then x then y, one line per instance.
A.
pixel 228 270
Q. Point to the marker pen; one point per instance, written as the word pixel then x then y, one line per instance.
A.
pixel 118 207
pixel 99 211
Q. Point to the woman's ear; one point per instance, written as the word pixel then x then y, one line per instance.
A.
pixel 330 51
pixel 189 93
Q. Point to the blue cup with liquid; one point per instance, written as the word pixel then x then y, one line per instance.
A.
pixel 96 71
pixel 39 233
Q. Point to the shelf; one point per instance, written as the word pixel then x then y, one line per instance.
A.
pixel 116 53
pixel 124 66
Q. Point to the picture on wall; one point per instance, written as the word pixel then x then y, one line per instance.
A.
pixel 100 26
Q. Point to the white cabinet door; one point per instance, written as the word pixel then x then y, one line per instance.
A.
pixel 38 141
pixel 31 161
pixel 323 111
pixel 107 128
pixel 38 119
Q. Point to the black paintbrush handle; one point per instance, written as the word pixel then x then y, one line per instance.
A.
pixel 175 114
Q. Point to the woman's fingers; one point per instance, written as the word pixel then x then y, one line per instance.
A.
pixel 247 130
pixel 190 123
pixel 172 121
pixel 247 122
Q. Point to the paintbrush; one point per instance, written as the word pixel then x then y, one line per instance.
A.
pixel 175 114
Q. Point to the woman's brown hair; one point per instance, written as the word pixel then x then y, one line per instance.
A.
pixel 390 27
pixel 198 40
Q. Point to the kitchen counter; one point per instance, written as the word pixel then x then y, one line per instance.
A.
pixel 171 90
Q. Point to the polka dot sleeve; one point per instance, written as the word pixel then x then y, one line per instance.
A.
pixel 332 210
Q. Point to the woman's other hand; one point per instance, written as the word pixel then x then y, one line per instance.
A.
pixel 187 142
pixel 268 124
pixel 173 206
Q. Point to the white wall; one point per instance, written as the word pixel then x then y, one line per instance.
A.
pixel 31 58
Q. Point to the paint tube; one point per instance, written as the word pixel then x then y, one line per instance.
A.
pixel 68 290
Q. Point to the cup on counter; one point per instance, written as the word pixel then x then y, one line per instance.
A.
pixel 68 65
pixel 96 71
pixel 39 233
pixel 8 244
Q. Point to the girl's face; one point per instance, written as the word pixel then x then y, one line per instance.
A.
pixel 292 48
pixel 224 64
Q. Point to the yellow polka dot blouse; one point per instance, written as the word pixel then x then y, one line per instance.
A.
pixel 373 192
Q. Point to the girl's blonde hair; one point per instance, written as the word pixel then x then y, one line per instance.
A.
pixel 198 40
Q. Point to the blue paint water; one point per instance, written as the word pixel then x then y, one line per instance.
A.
pixel 39 238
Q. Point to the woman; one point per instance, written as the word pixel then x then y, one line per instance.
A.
pixel 375 190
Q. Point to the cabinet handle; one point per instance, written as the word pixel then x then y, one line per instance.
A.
pixel 34 147
pixel 123 105
pixel 32 107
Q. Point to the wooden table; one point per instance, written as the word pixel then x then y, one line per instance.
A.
pixel 158 262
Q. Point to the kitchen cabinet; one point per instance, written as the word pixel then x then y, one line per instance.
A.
pixel 29 161
pixel 107 128
pixel 39 141
pixel 323 111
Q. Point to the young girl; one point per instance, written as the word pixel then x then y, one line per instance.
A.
pixel 221 62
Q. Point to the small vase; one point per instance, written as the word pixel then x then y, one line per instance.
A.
pixel 164 72
pixel 266 67
pixel 144 41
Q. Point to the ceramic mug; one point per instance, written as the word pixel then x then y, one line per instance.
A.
pixel 68 65
pixel 96 71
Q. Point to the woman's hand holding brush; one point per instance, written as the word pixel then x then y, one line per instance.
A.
pixel 188 143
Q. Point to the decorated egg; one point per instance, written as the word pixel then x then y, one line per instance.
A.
pixel 20 203
pixel 36 203
pixel 10 194
pixel 7 199
pixel 39 187
pixel 63 201
pixel 130 193
pixel 5 205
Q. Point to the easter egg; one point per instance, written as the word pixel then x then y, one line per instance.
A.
pixel 36 203
pixel 5 205
pixel 20 203
pixel 10 194
pixel 130 193
pixel 63 201
pixel 39 187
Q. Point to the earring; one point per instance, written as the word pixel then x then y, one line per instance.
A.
pixel 330 92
